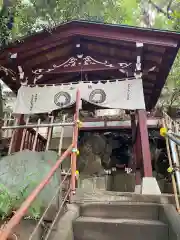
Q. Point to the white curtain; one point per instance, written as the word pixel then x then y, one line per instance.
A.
pixel 126 94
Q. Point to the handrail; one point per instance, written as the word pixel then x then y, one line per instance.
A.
pixel 171 135
pixel 20 213
pixel 75 143
pixel 49 205
pixel 42 125
pixel 171 145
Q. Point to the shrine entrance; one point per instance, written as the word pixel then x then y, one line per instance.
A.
pixel 98 156
pixel 82 67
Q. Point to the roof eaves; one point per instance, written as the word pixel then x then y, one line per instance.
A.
pixel 79 22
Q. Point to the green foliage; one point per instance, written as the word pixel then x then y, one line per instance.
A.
pixel 1 4
pixel 9 203
pixel 38 15
pixel 171 93
pixel 35 209
pixel 32 16
pixel 5 202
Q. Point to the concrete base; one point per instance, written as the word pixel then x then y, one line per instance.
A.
pixel 123 182
pixel 25 228
pixel 150 186
pixel 165 187
pixel 93 183
pixel 137 189
pixel 64 226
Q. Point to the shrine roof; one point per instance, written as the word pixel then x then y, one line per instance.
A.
pixel 89 51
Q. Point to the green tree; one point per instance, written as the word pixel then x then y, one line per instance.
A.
pixel 35 15
pixel 32 15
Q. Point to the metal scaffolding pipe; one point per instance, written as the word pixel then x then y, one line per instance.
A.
pixel 175 134
pixel 38 125
pixel 20 213
pixel 75 144
pixel 174 139
pixel 175 161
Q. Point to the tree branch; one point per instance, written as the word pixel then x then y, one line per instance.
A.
pixel 169 5
pixel 159 9
pixel 169 8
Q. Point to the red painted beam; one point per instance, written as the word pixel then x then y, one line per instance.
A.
pixel 102 31
pixel 138 150
pixel 123 34
pixel 130 47
pixel 133 163
pixel 145 147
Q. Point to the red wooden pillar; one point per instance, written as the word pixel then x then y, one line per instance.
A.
pixel 137 151
pixel 133 128
pixel 139 158
pixel 18 135
pixel 144 143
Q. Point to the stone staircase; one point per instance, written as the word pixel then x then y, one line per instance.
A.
pixel 113 215
pixel 131 221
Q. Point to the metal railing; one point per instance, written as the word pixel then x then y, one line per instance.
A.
pixel 170 130
pixel 6 231
pixel 21 212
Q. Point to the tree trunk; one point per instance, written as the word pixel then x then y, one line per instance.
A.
pixel 1 109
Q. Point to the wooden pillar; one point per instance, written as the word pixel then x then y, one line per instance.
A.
pixel 18 135
pixel 134 157
pixel 144 143
pixel 139 158
pixel 138 147
pixel 137 152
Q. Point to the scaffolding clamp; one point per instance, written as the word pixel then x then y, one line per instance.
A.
pixel 163 132
pixel 79 123
pixel 75 150
pixel 172 169
pixel 77 174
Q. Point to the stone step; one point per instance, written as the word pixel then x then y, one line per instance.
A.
pixel 121 210
pixel 90 228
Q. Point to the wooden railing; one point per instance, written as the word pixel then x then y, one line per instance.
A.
pixel 29 139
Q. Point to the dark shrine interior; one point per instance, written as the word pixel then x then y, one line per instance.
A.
pixel 122 148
